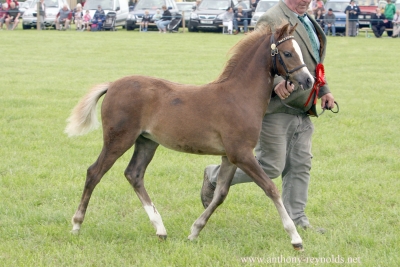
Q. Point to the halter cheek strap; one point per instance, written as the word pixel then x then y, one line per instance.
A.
pixel 276 54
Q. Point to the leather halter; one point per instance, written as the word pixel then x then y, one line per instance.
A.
pixel 276 54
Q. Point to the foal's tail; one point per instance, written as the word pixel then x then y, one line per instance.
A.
pixel 83 118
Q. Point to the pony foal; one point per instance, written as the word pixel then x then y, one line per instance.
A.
pixel 220 118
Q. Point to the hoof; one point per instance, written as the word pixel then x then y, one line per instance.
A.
pixel 298 247
pixel 162 237
pixel 75 231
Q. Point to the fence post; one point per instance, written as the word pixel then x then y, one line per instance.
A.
pixel 347 23
pixel 38 27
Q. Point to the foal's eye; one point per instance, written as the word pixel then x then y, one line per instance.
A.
pixel 287 54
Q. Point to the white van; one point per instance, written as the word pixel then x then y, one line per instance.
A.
pixel 118 6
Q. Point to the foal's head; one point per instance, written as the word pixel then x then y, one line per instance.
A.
pixel 287 58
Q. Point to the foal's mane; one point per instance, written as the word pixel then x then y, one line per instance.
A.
pixel 250 42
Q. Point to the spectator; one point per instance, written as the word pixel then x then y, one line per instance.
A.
pixel 253 4
pixel 12 16
pixel 164 21
pixel 396 24
pixel 86 20
pixel 353 11
pixel 284 145
pixel 145 21
pixel 78 14
pixel 157 16
pixel 329 22
pixel 42 13
pixel 3 14
pixel 390 10
pixel 242 4
pixel 319 17
pixel 98 19
pixel 198 2
pixel 240 18
pixel 11 1
pixel 378 23
pixel 83 2
pixel 318 5
pixel 227 20
pixel 132 4
pixel 63 18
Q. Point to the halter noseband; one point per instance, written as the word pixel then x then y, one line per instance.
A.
pixel 276 54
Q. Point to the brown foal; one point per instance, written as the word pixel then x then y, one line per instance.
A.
pixel 220 118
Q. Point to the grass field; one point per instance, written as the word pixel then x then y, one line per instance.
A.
pixel 354 192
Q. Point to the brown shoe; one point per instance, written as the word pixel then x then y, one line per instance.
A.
pixel 207 191
pixel 235 32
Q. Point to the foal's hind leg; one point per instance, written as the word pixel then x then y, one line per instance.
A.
pixel 224 180
pixel 109 154
pixel 250 166
pixel 144 152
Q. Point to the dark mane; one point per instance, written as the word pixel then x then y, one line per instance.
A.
pixel 243 46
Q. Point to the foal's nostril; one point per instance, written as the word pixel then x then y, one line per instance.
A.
pixel 309 82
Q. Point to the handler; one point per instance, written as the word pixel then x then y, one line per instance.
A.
pixel 284 146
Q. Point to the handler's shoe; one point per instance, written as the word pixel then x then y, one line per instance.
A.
pixel 207 191
pixel 318 230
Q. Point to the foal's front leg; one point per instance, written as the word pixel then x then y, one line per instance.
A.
pixel 225 177
pixel 250 166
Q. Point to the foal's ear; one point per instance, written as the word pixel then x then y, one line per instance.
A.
pixel 291 29
pixel 283 31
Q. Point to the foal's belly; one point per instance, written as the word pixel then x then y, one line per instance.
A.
pixel 188 144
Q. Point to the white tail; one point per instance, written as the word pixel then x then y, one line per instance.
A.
pixel 83 118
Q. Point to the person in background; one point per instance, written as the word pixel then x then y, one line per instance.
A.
pixel 3 14
pixel 329 22
pixel 78 14
pixel 42 13
pixel 157 16
pixel 12 1
pixel 86 20
pixel 12 16
pixel 240 18
pixel 165 20
pixel 319 17
pixel 390 10
pixel 253 5
pixel 198 2
pixel 227 20
pixel 378 23
pixel 396 24
pixel 98 18
pixel 145 21
pixel 353 11
pixel 63 18
pixel 284 145
pixel 318 5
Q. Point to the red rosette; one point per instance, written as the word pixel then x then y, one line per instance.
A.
pixel 319 82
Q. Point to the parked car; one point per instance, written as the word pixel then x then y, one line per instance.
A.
pixel 338 8
pixel 262 7
pixel 23 6
pixel 52 9
pixel 209 14
pixel 135 17
pixel 186 7
pixel 120 7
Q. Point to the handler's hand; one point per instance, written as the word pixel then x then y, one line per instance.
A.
pixel 327 101
pixel 281 90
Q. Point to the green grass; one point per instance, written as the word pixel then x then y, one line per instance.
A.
pixel 355 175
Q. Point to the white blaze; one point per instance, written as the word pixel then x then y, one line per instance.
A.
pixel 298 50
